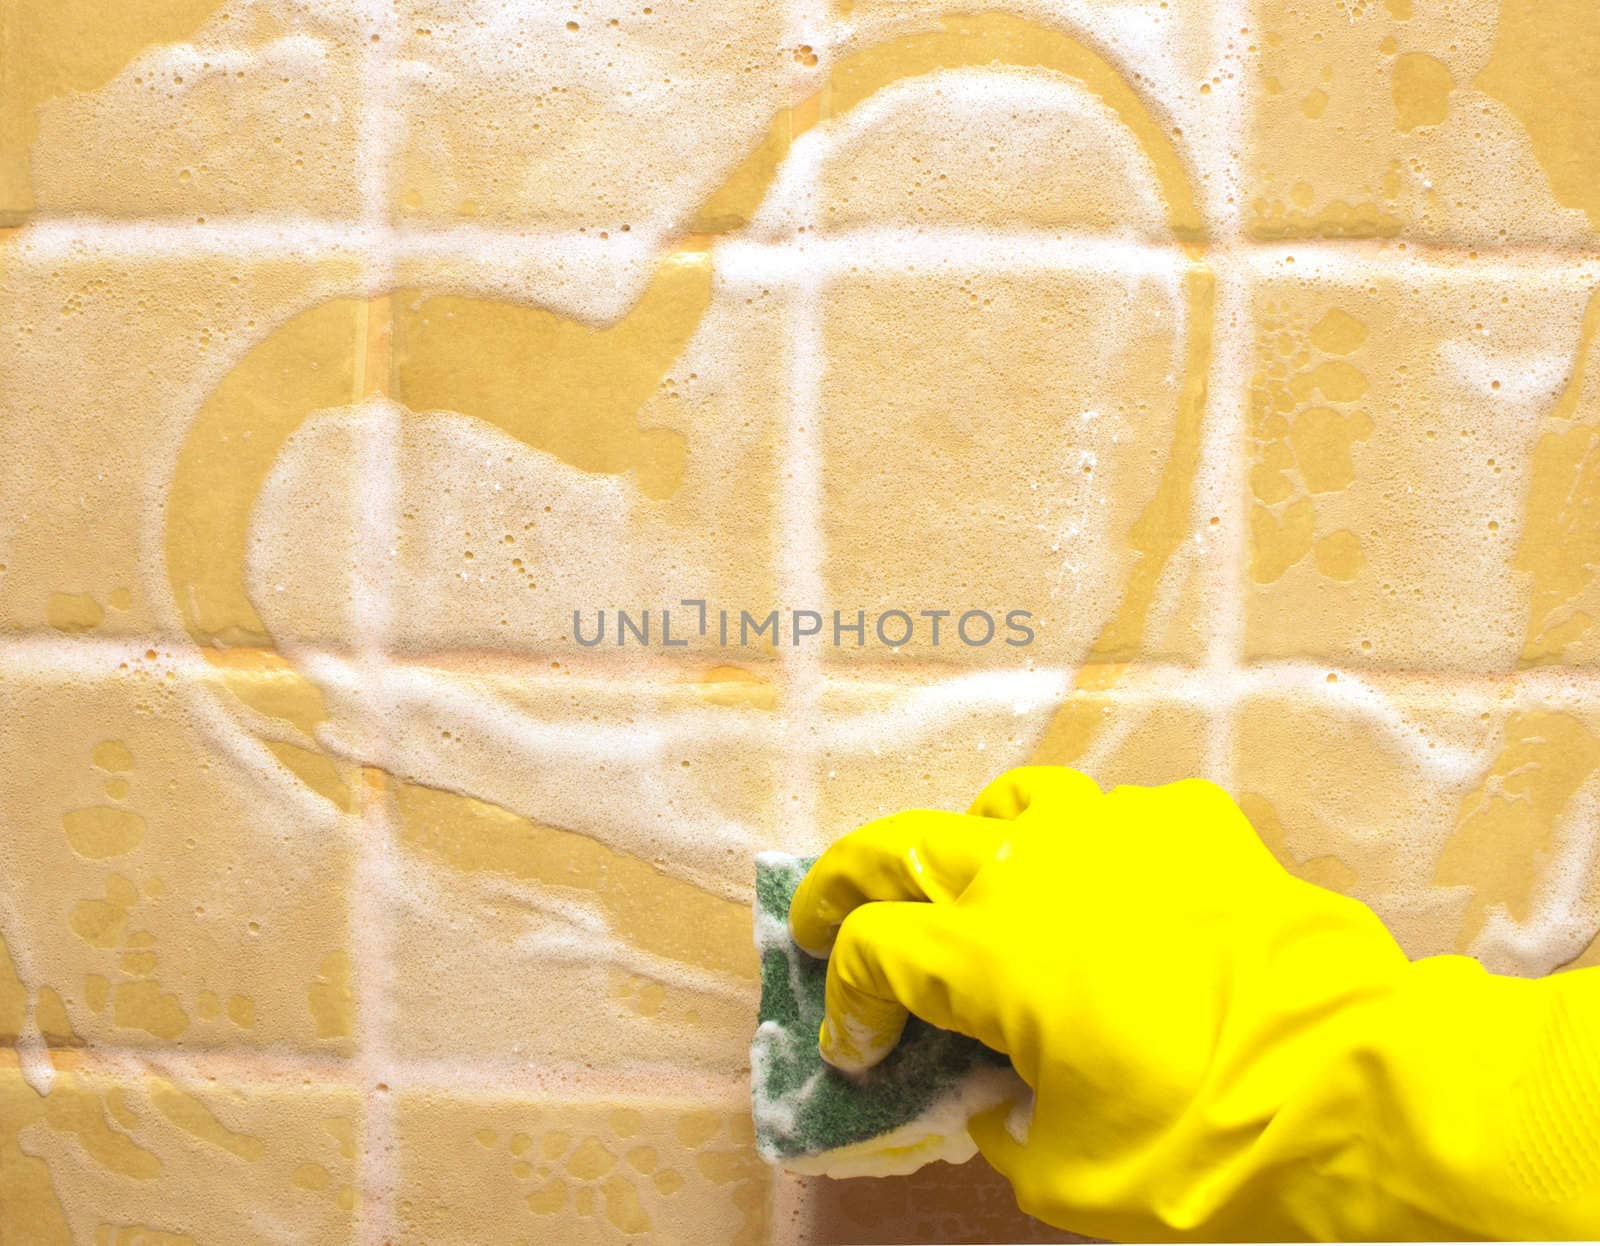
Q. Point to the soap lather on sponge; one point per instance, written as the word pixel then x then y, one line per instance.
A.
pixel 909 1110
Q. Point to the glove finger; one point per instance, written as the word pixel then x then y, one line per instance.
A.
pixel 1022 788
pixel 922 854
pixel 891 960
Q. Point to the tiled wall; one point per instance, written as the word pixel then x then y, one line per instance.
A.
pixel 347 348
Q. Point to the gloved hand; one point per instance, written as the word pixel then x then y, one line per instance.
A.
pixel 1217 1050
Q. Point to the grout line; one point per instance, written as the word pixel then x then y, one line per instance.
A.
pixel 669 1085
pixel 897 250
pixel 370 934
pixel 666 1084
pixel 53 239
pixel 90 658
pixel 800 570
pixel 800 577
pixel 370 952
pixel 1227 409
pixel 1223 461
pixel 1322 259
pixel 1222 204
pixel 1226 413
pixel 375 128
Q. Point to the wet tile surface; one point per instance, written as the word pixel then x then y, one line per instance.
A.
pixel 1418 480
pixel 1457 126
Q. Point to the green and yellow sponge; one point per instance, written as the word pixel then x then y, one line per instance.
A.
pixel 907 1111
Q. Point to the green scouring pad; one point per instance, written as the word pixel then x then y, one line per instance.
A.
pixel 910 1109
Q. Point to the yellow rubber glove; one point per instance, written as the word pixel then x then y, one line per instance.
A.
pixel 1217 1050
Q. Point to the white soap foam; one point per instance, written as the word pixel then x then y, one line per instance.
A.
pixel 939 1132
pixel 1565 908
pixel 238 119
pixel 1051 122
pixel 590 92
pixel 33 1057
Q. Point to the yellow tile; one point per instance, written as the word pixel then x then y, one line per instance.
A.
pixel 1460 816
pixel 504 1169
pixel 1473 123
pixel 1066 162
pixel 586 154
pixel 595 839
pixel 1421 485
pixel 583 116
pixel 179 108
pixel 1006 441
pixel 892 746
pixel 1022 118
pixel 178 865
pixel 124 373
pixel 276 437
pixel 153 1161
pixel 566 462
